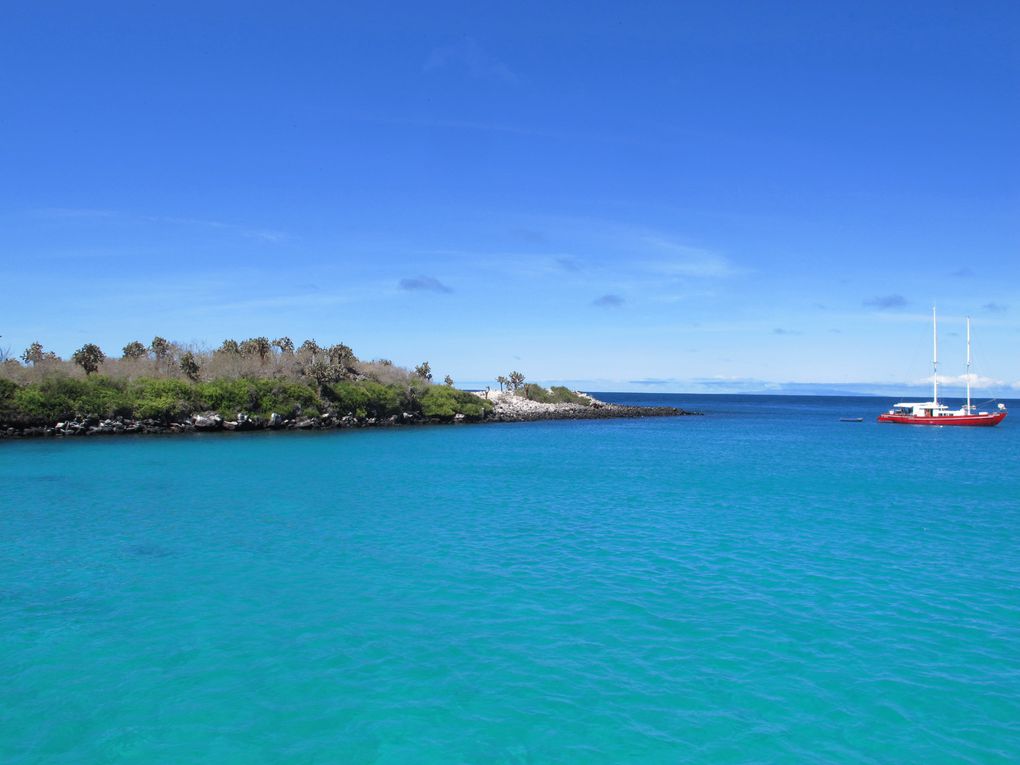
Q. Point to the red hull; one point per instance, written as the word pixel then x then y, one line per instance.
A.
pixel 986 420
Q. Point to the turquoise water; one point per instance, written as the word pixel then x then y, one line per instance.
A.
pixel 763 584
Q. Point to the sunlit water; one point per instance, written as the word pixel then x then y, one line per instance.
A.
pixel 763 584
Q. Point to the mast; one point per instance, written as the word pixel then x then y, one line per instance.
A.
pixel 935 356
pixel 968 365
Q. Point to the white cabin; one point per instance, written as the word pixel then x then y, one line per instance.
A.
pixel 920 409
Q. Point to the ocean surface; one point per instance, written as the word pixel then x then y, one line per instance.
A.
pixel 763 584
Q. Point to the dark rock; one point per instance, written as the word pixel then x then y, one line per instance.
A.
pixel 207 421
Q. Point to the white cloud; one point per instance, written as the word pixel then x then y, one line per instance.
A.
pixel 119 217
pixel 684 260
pixel 467 55
pixel 976 381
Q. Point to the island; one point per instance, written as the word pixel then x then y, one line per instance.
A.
pixel 258 384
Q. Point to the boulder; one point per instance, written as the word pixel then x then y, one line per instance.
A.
pixel 207 421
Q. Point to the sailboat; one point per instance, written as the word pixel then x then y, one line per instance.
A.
pixel 934 413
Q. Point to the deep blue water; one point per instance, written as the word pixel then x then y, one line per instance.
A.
pixel 761 584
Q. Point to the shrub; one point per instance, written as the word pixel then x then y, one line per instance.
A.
pixel 286 398
pixel 262 396
pixel 366 398
pixel 33 407
pixel 7 389
pixel 441 402
pixel 7 407
pixel 557 394
pixel 228 397
pixel 62 398
pixel 164 399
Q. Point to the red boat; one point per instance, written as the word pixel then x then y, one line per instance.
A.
pixel 934 413
pixel 930 413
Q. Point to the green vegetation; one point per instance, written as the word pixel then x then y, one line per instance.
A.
pixel 134 350
pixel 365 398
pixel 557 394
pixel 441 402
pixel 89 357
pixel 60 398
pixel 168 382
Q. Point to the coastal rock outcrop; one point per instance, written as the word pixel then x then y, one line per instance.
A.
pixel 507 407
pixel 207 421
pixel 512 407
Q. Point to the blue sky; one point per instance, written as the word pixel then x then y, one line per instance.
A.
pixel 661 196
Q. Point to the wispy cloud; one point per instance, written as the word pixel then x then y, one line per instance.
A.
pixel 423 284
pixel 608 301
pixel 73 212
pixel 886 302
pixel 976 381
pixel 117 216
pixel 995 307
pixel 468 56
pixel 569 264
pixel 781 331
pixel 684 260
pixel 529 235
pixel 963 273
pixel 266 235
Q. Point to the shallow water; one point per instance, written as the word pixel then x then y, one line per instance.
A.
pixel 762 584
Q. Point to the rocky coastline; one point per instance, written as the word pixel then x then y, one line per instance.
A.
pixel 506 408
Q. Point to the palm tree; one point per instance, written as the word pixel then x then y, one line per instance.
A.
pixel 161 349
pixel 190 367
pixel 33 354
pixel 134 350
pixel 89 357
pixel 502 381
pixel 285 344
pixel 263 348
pixel 257 346
pixel 310 347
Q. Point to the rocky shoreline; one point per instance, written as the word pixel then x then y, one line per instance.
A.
pixel 506 408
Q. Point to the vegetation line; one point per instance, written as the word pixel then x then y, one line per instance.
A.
pixel 254 383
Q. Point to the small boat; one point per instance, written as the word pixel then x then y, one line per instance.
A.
pixel 851 419
pixel 934 413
